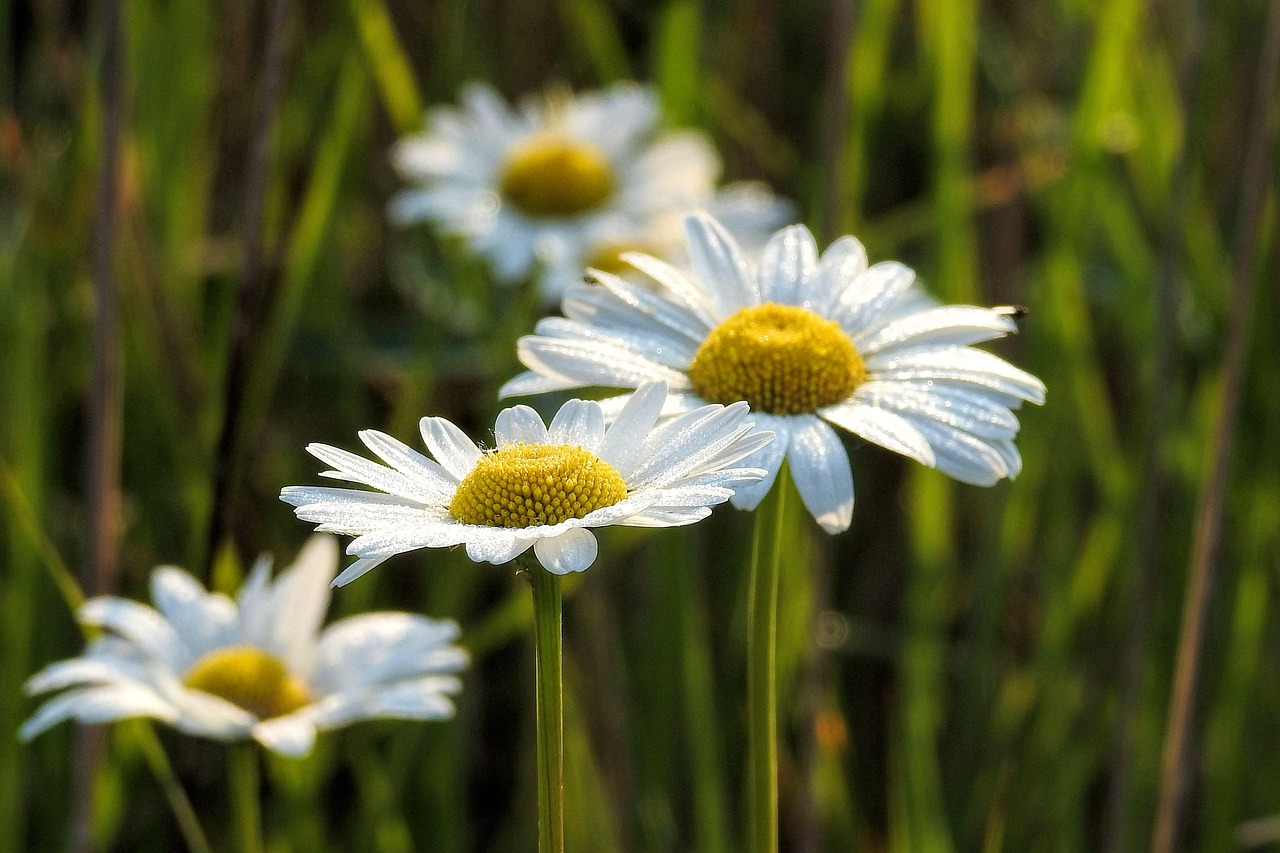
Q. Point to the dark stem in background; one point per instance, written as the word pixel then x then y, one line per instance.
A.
pixel 1147 543
pixel 250 298
pixel 1176 760
pixel 105 402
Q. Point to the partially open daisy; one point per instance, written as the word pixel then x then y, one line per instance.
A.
pixel 808 342
pixel 258 667
pixel 541 187
pixel 541 487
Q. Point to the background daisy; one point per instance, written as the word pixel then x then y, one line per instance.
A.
pixel 810 343
pixel 540 487
pixel 256 667
pixel 560 180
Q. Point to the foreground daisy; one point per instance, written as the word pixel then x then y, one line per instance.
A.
pixel 541 487
pixel 809 343
pixel 258 667
pixel 565 178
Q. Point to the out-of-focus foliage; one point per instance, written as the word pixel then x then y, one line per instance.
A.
pixel 964 670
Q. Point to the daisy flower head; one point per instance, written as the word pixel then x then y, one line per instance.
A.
pixel 257 667
pixel 537 187
pixel 541 487
pixel 810 342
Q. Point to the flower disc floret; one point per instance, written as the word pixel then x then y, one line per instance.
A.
pixel 782 359
pixel 251 679
pixel 527 485
pixel 550 176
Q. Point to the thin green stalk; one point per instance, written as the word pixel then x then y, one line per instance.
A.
pixel 762 669
pixel 246 811
pixel 549 677
pixel 183 812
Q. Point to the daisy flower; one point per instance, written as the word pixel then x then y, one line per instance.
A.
pixel 258 667
pixel 540 487
pixel 810 342
pixel 542 186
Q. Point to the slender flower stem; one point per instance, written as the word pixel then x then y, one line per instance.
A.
pixel 762 669
pixel 246 812
pixel 179 803
pixel 550 707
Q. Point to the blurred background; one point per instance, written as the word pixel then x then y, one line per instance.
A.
pixel 965 669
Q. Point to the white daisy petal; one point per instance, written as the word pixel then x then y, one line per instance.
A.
pixel 572 551
pixel 870 293
pixel 424 472
pixel 146 629
pixel 579 422
pixel 962 456
pixel 519 424
pixel 426 698
pixel 456 453
pixel 959 364
pixel 767 458
pixel 496 547
pixel 820 469
pixel 373 648
pixel 981 417
pixel 951 325
pixel 882 427
pixel 292 736
pixel 623 442
pixel 842 262
pixel 788 263
pixel 357 469
pixel 302 591
pixel 358 569
pixel 210 617
pixel 719 266
pixel 99 704
pixel 593 363
pixel 533 383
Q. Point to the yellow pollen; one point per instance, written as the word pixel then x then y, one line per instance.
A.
pixel 781 359
pixel 550 176
pixel 250 678
pixel 523 485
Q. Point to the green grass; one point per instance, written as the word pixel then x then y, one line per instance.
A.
pixel 953 667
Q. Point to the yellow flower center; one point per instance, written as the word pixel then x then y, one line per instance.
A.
pixel 550 176
pixel 523 485
pixel 250 678
pixel 781 359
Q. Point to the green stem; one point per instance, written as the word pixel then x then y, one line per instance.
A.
pixel 246 812
pixel 550 708
pixel 179 803
pixel 762 669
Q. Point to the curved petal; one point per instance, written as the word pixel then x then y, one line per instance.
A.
pixel 867 296
pixel 519 425
pixel 456 453
pixel 767 458
pixel 423 472
pixel 788 265
pixel 945 326
pixel 374 648
pixel 623 443
pixel 820 469
pixel 293 735
pixel 882 427
pixel 99 704
pixel 426 698
pixel 842 262
pixel 146 629
pixel 572 551
pixel 358 569
pixel 207 620
pixel 497 547
pixel 579 422
pixel 302 593
pixel 718 265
